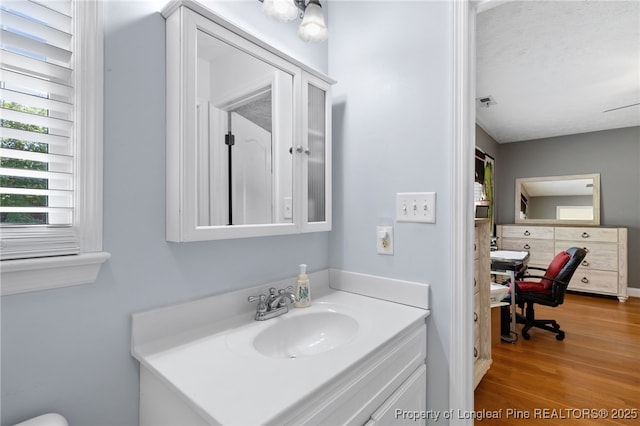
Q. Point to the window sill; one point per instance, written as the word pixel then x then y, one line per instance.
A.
pixel 26 275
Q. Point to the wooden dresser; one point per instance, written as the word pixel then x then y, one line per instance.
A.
pixel 603 271
pixel 481 307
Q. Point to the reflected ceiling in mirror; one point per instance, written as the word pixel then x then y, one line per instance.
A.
pixel 570 200
pixel 245 131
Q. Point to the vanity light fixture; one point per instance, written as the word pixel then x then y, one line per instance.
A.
pixel 312 28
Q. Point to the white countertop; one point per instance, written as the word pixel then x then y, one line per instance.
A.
pixel 216 370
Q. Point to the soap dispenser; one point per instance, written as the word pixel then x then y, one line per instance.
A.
pixel 303 293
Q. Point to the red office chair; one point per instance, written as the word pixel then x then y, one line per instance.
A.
pixel 548 290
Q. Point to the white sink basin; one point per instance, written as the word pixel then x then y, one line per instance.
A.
pixel 219 366
pixel 306 334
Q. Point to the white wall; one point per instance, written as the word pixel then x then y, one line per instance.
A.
pixel 68 349
pixel 392 133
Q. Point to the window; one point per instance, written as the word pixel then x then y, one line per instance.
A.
pixel 50 143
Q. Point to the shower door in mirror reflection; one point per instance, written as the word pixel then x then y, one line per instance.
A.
pixel 245 132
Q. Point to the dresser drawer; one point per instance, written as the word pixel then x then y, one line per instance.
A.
pixel 594 281
pixel 541 252
pixel 476 276
pixel 526 232
pixel 476 247
pixel 605 235
pixel 599 255
pixel 476 317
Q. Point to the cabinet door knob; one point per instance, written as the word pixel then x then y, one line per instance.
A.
pixel 475 317
pixel 475 352
pixel 585 280
pixel 526 247
pixel 300 149
pixel 586 249
pixel 585 235
pixel 585 263
pixel 527 233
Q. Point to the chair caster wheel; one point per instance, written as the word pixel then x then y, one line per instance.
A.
pixel 560 336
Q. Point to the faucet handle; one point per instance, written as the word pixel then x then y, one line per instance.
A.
pixel 261 298
pixel 261 309
pixel 287 289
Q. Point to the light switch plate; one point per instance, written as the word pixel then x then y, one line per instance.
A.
pixel 416 207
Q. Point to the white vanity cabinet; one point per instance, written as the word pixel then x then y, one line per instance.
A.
pixel 603 270
pixel 209 362
pixel 248 133
pixel 406 404
pixel 392 378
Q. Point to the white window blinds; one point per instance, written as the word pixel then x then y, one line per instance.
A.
pixel 37 129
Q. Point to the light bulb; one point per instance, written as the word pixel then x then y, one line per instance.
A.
pixel 313 28
pixel 282 10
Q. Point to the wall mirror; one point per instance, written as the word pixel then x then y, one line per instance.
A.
pixel 569 200
pixel 248 133
pixel 245 132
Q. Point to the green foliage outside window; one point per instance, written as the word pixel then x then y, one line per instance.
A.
pixel 19 200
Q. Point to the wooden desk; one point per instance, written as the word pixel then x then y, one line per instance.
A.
pixel 504 262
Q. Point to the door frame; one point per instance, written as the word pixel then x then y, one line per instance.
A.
pixel 461 388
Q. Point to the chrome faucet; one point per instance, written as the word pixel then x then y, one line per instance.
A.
pixel 273 305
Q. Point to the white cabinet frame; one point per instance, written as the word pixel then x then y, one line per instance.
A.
pixel 183 21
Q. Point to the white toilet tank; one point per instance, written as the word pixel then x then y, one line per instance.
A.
pixel 51 419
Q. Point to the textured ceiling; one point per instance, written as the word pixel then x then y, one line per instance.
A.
pixel 554 67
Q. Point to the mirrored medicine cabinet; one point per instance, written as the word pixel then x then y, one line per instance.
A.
pixel 558 200
pixel 248 133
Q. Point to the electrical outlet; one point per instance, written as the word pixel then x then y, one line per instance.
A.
pixel 416 207
pixel 384 239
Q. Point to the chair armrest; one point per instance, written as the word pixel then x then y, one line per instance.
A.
pixel 523 272
pixel 523 278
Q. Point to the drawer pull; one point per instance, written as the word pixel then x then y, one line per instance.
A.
pixel 475 283
pixel 527 233
pixel 585 280
pixel 585 235
pixel 475 352
pixel 475 317
pixel 585 263
pixel 586 249
pixel 526 247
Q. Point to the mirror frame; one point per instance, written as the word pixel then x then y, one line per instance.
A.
pixel 595 200
pixel 183 19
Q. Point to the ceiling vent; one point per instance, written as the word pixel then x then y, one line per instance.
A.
pixel 485 101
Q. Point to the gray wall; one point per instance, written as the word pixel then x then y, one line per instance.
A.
pixel 487 144
pixel 615 154
pixel 392 133
pixel 67 350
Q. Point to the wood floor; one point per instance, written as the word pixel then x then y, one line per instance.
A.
pixel 595 368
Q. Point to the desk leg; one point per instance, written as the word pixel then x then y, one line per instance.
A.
pixel 513 336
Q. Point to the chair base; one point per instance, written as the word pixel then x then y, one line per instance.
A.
pixel 530 321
